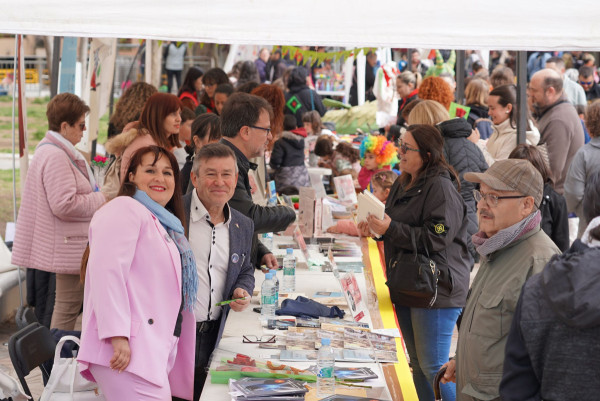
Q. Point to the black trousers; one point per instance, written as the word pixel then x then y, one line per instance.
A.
pixel 173 74
pixel 205 345
pixel 41 293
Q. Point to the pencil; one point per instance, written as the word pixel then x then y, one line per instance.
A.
pixel 229 301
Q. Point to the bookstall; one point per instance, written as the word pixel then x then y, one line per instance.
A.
pixel 369 349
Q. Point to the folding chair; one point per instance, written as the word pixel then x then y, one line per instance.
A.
pixel 29 348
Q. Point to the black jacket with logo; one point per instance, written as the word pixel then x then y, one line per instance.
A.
pixel 432 208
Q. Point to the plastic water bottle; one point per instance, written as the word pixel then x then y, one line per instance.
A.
pixel 325 369
pixel 267 293
pixel 276 281
pixel 267 240
pixel 289 271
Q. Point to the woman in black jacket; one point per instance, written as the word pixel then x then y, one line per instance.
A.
pixel 424 204
pixel 555 218
pixel 459 152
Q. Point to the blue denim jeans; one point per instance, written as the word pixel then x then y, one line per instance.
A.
pixel 427 334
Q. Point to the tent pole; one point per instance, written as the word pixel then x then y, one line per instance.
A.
pixel 521 96
pixel 460 76
pixel 14 159
pixel 55 66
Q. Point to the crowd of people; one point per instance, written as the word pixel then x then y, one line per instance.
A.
pixel 148 254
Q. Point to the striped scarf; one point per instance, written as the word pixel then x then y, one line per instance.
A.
pixel 486 246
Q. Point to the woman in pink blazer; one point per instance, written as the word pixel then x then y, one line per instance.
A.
pixel 138 336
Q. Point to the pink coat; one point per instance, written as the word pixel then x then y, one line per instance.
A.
pixel 56 208
pixel 133 290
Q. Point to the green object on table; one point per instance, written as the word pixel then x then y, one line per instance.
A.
pixel 223 376
pixel 295 199
pixel 327 102
pixel 347 121
pixel 229 301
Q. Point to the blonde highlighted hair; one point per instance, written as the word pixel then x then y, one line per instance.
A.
pixel 428 112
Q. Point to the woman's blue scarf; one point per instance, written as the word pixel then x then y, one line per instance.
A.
pixel 174 227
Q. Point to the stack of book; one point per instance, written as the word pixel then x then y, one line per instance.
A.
pixel 257 389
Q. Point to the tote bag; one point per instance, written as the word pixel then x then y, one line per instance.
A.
pixel 66 382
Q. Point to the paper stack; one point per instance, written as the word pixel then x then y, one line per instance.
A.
pixel 258 389
pixel 368 203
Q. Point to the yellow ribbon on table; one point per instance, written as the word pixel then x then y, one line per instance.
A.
pixel 388 317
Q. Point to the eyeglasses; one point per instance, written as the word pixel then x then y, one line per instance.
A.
pixel 264 129
pixel 81 126
pixel 586 82
pixel 404 148
pixel 491 199
pixel 250 339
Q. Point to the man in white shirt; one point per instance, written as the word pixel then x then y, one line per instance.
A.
pixel 221 239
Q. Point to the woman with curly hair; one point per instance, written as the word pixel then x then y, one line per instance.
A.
pixel 376 154
pixel 436 88
pixel 129 107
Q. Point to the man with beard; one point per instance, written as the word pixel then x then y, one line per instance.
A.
pixel 512 247
pixel 558 122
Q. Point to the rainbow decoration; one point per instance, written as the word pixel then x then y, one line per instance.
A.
pixel 385 151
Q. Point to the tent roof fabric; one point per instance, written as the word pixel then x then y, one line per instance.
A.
pixel 458 24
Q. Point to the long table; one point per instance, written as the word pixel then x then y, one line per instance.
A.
pixel 394 383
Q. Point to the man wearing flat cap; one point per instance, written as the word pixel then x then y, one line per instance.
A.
pixel 512 247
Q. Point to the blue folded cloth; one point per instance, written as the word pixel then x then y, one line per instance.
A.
pixel 305 307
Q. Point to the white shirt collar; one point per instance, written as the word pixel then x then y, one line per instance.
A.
pixel 199 212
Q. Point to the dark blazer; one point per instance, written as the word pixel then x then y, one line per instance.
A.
pixel 266 218
pixel 240 272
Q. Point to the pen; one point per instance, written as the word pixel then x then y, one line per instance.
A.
pixel 229 301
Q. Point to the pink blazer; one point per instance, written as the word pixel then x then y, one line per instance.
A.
pixel 133 289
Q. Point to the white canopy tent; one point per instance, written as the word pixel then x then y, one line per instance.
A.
pixel 459 24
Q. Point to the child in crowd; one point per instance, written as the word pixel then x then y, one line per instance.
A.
pixel 342 160
pixel 381 183
pixel 376 154
pixel 287 157
pixel 222 93
pixel 314 128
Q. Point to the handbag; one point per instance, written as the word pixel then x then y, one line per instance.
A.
pixel 413 275
pixel 66 382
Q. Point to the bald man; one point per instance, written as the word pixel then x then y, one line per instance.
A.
pixel 557 120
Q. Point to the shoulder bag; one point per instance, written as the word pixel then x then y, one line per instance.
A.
pixel 413 275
